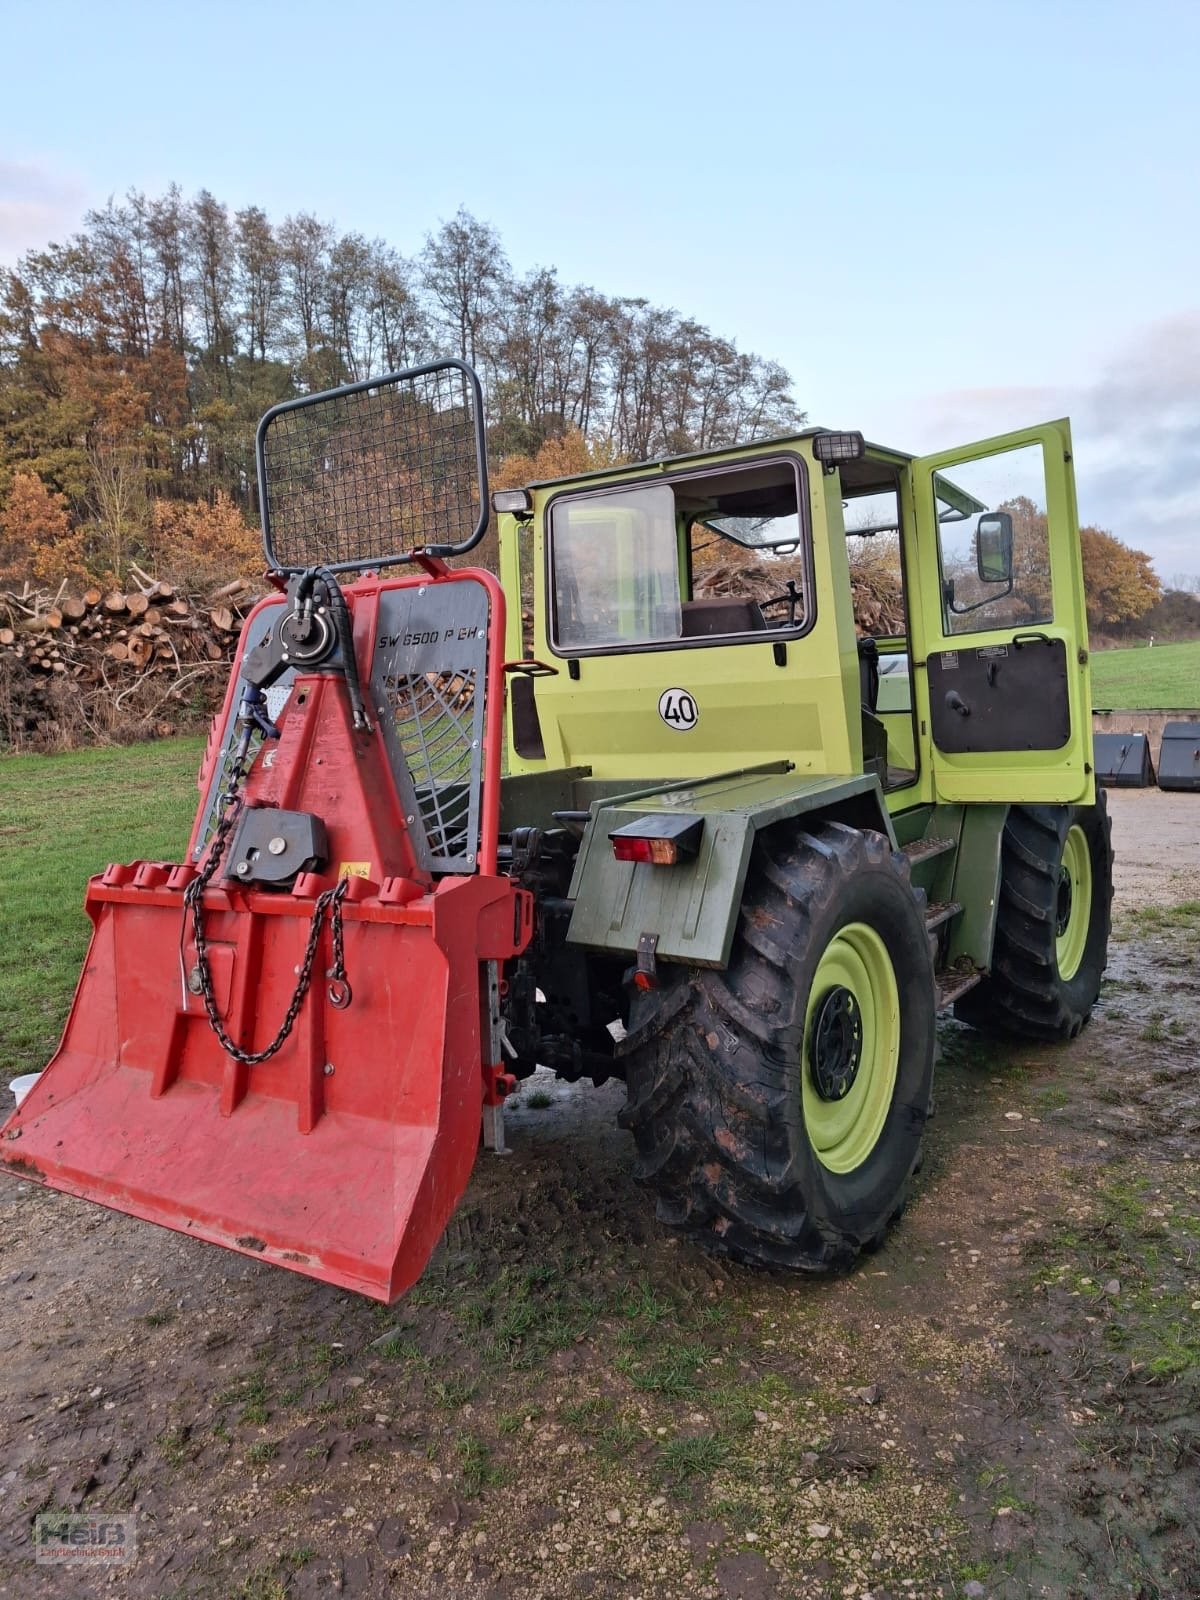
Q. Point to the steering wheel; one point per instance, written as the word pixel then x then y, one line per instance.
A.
pixel 791 597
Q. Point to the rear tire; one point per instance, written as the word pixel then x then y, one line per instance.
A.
pixel 1052 924
pixel 779 1115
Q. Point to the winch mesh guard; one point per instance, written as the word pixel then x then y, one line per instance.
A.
pixel 428 687
pixel 376 472
pixel 435 719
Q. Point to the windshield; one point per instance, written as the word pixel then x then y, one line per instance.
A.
pixel 777 533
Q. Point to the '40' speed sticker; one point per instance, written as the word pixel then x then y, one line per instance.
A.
pixel 678 710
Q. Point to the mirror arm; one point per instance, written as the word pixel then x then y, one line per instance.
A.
pixel 961 611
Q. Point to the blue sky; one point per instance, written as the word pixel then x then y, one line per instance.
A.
pixel 944 219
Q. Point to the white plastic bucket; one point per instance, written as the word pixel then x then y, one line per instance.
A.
pixel 22 1085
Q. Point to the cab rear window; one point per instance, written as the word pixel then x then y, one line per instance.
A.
pixel 684 560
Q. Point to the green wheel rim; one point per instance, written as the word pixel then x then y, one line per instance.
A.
pixel 844 1132
pixel 1074 903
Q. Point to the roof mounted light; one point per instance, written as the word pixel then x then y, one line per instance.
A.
pixel 516 502
pixel 831 449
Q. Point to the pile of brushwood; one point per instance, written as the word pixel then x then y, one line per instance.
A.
pixel 878 599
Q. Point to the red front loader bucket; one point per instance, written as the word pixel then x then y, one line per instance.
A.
pixel 344 1155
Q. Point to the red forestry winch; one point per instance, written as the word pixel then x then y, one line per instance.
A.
pixel 285 1044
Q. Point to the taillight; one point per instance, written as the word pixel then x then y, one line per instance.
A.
pixel 662 841
pixel 662 852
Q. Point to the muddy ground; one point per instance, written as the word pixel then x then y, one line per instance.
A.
pixel 1005 1401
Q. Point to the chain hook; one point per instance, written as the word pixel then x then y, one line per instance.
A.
pixel 339 991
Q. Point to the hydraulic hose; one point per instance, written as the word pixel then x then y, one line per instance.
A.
pixel 343 627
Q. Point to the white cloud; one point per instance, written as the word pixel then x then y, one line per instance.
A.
pixel 1135 420
pixel 37 205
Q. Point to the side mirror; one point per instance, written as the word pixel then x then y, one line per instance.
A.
pixel 994 547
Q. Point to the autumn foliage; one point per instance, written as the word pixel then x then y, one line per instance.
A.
pixel 137 357
pixel 201 545
pixel 1119 581
pixel 37 538
pixel 567 455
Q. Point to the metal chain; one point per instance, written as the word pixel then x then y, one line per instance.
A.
pixel 330 900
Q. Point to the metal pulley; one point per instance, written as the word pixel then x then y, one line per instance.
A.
pixel 306 636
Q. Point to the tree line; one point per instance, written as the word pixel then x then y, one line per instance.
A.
pixel 137 357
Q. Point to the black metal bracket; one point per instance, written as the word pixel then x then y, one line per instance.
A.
pixel 272 847
pixel 302 634
pixel 647 957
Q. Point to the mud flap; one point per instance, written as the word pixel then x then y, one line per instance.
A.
pixel 344 1155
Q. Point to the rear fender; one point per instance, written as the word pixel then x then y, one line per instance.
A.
pixel 692 907
pixel 977 884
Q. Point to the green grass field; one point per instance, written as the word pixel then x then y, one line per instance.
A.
pixel 1131 680
pixel 63 818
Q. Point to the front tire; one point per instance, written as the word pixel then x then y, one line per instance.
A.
pixel 779 1115
pixel 1052 924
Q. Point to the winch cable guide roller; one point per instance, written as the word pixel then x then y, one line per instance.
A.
pixel 284 1042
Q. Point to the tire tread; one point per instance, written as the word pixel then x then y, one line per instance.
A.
pixel 711 1099
pixel 1023 994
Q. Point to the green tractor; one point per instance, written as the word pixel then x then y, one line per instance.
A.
pixel 768 849
pixel 648 807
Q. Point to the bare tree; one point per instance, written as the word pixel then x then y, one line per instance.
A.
pixel 167 226
pixel 259 278
pixel 465 272
pixel 304 244
pixel 118 495
pixel 399 315
pixel 211 252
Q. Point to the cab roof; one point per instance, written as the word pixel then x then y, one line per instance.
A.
pixel 862 475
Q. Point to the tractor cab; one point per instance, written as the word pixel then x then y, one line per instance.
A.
pixel 688 616
pixel 672 608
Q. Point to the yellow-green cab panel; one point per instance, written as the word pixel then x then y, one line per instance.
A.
pixel 982 651
pixel 749 707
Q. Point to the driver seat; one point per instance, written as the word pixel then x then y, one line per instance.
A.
pixel 868 673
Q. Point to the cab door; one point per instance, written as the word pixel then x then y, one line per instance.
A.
pixel 1000 647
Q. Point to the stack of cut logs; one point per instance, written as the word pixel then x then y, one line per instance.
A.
pixel 152 629
pixel 147 646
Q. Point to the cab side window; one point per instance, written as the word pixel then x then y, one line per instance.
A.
pixel 616 569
